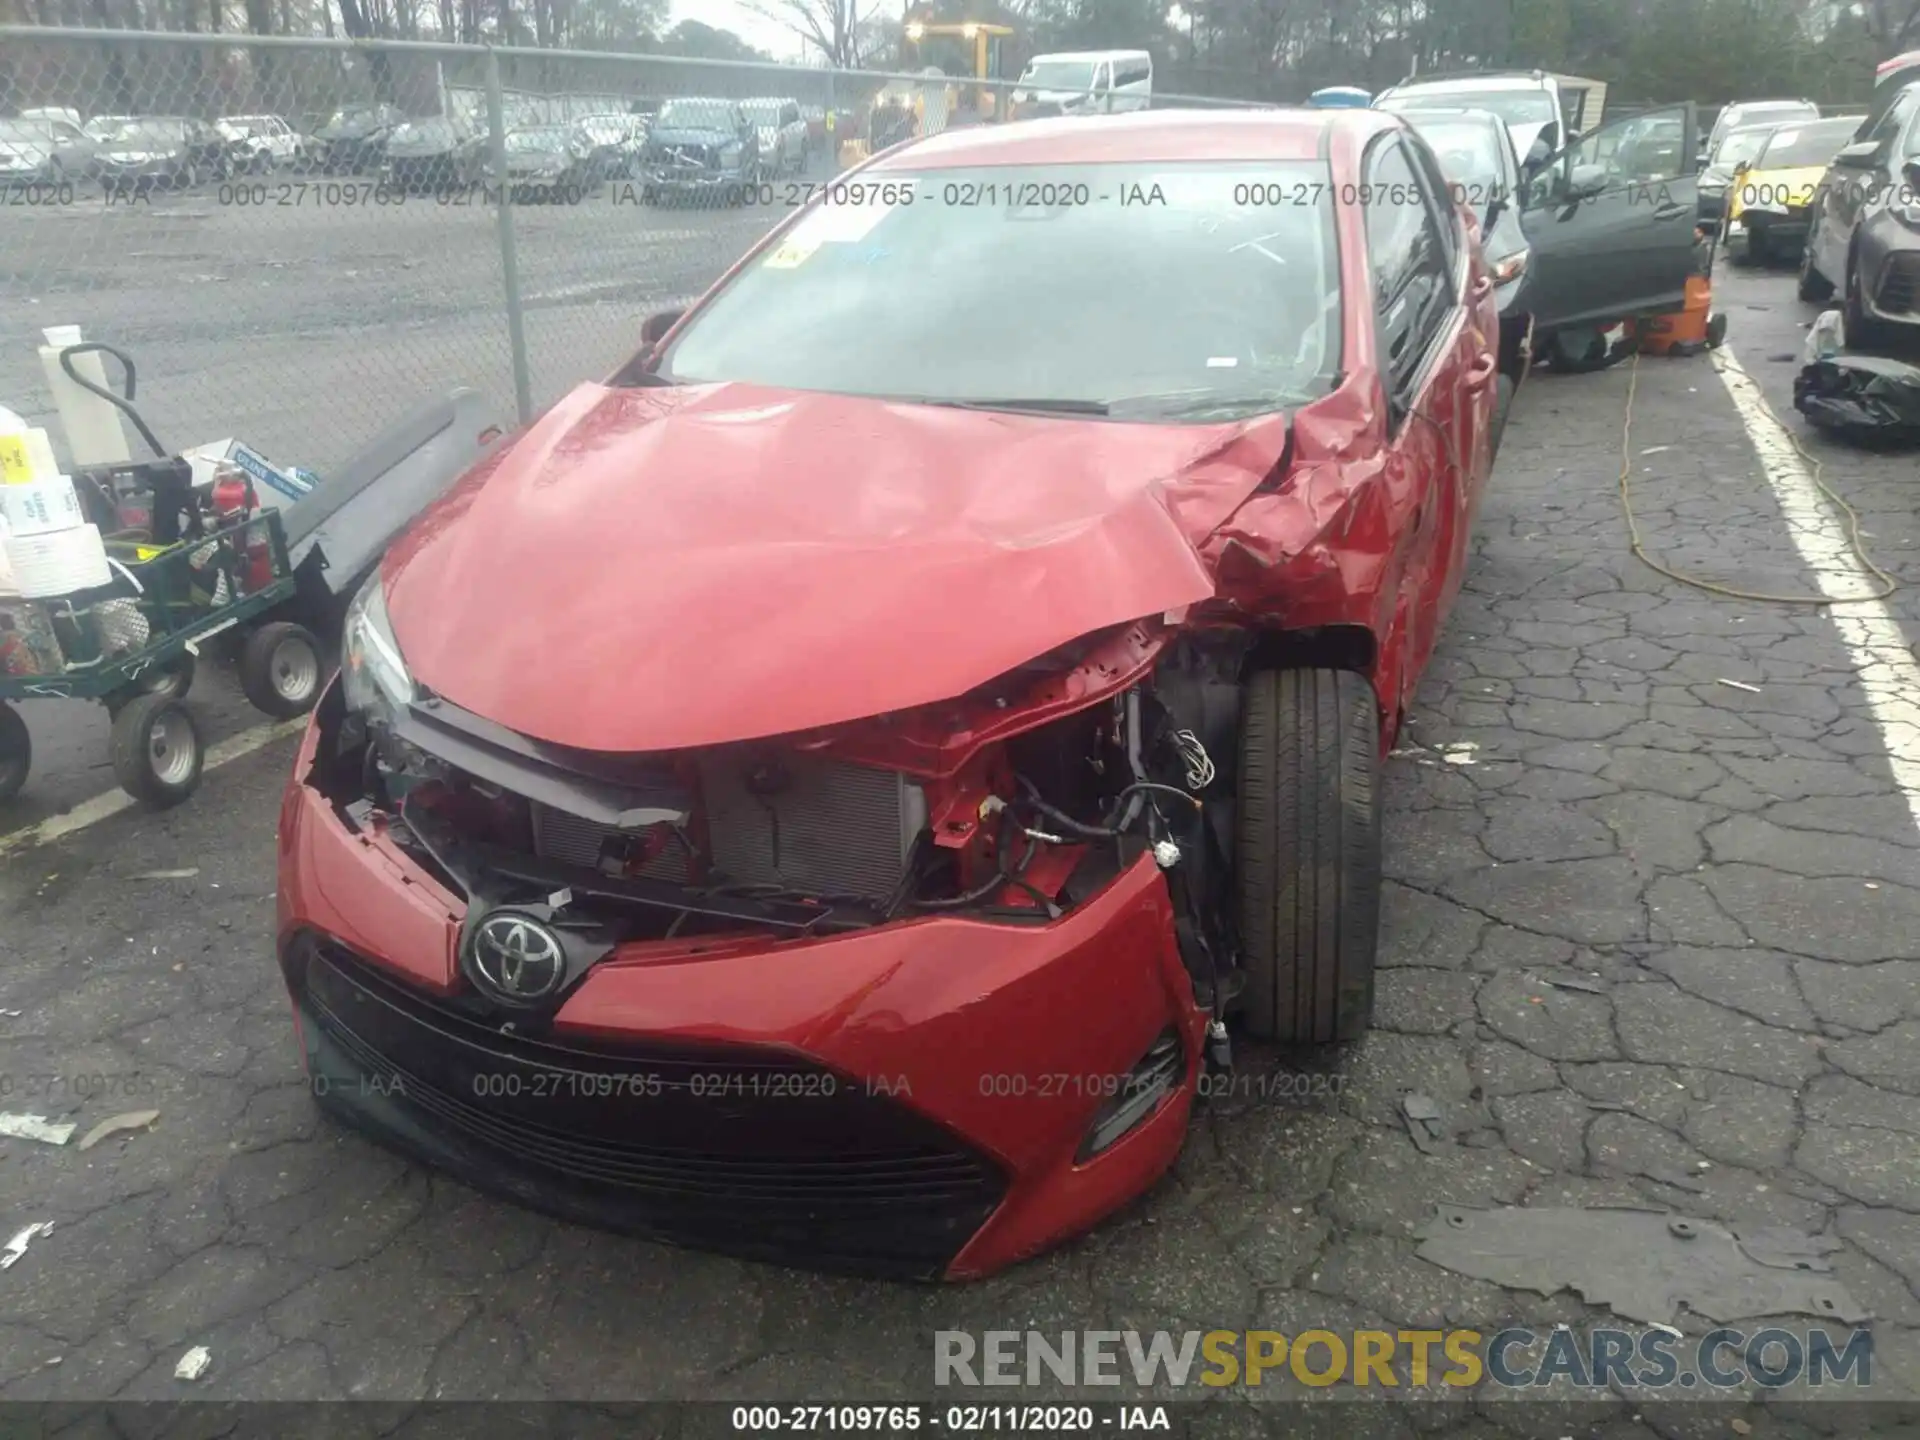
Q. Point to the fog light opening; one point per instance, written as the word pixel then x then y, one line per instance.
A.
pixel 1140 1095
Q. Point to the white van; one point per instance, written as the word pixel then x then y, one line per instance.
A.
pixel 1085 82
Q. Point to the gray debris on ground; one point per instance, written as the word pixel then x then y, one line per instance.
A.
pixel 1643 1264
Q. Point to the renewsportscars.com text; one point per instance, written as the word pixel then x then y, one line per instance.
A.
pixel 1722 1359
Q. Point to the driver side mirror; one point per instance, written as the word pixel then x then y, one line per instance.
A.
pixel 655 327
pixel 1861 155
pixel 1586 181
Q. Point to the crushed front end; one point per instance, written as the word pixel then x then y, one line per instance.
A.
pixel 918 995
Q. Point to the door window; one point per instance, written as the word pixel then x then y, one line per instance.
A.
pixel 1410 270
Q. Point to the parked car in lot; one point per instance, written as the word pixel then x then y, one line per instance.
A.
pixel 102 127
pixel 433 155
pixel 1609 236
pixel 160 153
pixel 1864 235
pixel 781 134
pixel 1744 114
pixel 353 141
pixel 816 118
pixel 259 144
pixel 779 844
pixel 617 141
pixel 700 149
pixel 44 152
pixel 1772 194
pixel 1734 149
pixel 1476 154
pixel 544 162
pixel 1528 100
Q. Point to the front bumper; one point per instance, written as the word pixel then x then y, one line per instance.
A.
pixel 1889 263
pixel 909 1100
pixel 677 180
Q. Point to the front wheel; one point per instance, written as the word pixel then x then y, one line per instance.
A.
pixel 281 671
pixel 157 754
pixel 1813 288
pixel 1308 861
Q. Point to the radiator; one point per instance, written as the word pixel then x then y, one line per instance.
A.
pixel 830 828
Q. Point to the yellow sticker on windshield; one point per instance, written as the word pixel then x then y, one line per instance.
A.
pixel 790 256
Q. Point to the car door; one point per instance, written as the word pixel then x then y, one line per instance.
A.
pixel 1608 238
pixel 1437 370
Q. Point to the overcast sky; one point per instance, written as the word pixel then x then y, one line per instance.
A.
pixel 769 35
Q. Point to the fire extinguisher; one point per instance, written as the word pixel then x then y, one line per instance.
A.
pixel 234 500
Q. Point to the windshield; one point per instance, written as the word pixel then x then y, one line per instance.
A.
pixel 1516 107
pixel 764 113
pixel 25 132
pixel 694 115
pixel 521 141
pixel 1164 291
pixel 1468 150
pixel 1740 145
pixel 1798 146
pixel 1059 75
pixel 146 132
pixel 423 132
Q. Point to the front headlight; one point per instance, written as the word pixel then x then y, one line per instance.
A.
pixel 1509 268
pixel 372 673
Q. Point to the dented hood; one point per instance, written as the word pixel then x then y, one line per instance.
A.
pixel 649 569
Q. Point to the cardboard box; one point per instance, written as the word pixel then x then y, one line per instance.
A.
pixel 276 488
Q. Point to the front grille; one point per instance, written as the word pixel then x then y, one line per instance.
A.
pixel 1899 292
pixel 825 828
pixel 723 1147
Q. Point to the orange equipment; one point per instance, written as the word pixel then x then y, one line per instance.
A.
pixel 1695 326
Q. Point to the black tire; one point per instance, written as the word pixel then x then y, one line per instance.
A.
pixel 1579 351
pixel 1813 288
pixel 173 681
pixel 1863 333
pixel 1308 863
pixel 1504 389
pixel 157 753
pixel 282 670
pixel 16 753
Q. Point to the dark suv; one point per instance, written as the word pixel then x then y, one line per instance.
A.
pixel 1865 227
pixel 703 150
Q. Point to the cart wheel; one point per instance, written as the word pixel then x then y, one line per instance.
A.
pixel 173 680
pixel 280 669
pixel 157 755
pixel 16 753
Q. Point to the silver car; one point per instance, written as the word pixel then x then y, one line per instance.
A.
pixel 782 132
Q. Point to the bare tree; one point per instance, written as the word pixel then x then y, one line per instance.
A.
pixel 830 26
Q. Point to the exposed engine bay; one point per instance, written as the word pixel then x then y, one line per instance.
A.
pixel 1009 805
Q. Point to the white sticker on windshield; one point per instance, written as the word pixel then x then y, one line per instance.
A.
pixel 841 224
pixel 1784 137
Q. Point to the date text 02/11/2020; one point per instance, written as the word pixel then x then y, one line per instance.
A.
pixel 950 1419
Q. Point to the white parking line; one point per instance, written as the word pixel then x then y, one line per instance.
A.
pixel 100 807
pixel 1881 656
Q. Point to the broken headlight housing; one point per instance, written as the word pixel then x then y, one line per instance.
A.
pixel 373 676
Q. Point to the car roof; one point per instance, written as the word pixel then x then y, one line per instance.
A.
pixel 1150 136
pixel 1474 82
pixel 1739 105
pixel 1092 55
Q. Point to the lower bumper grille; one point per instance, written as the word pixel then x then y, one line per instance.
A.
pixel 726 1148
pixel 1899 292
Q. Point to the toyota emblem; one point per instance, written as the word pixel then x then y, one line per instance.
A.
pixel 518 959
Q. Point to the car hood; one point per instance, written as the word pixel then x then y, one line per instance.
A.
pixel 681 135
pixel 1775 190
pixel 141 150
pixel 651 569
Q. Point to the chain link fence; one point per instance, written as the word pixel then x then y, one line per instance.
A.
pixel 299 241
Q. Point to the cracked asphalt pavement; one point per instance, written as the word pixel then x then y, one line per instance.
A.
pixel 1655 945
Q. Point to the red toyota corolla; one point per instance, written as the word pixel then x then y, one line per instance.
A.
pixel 821 792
